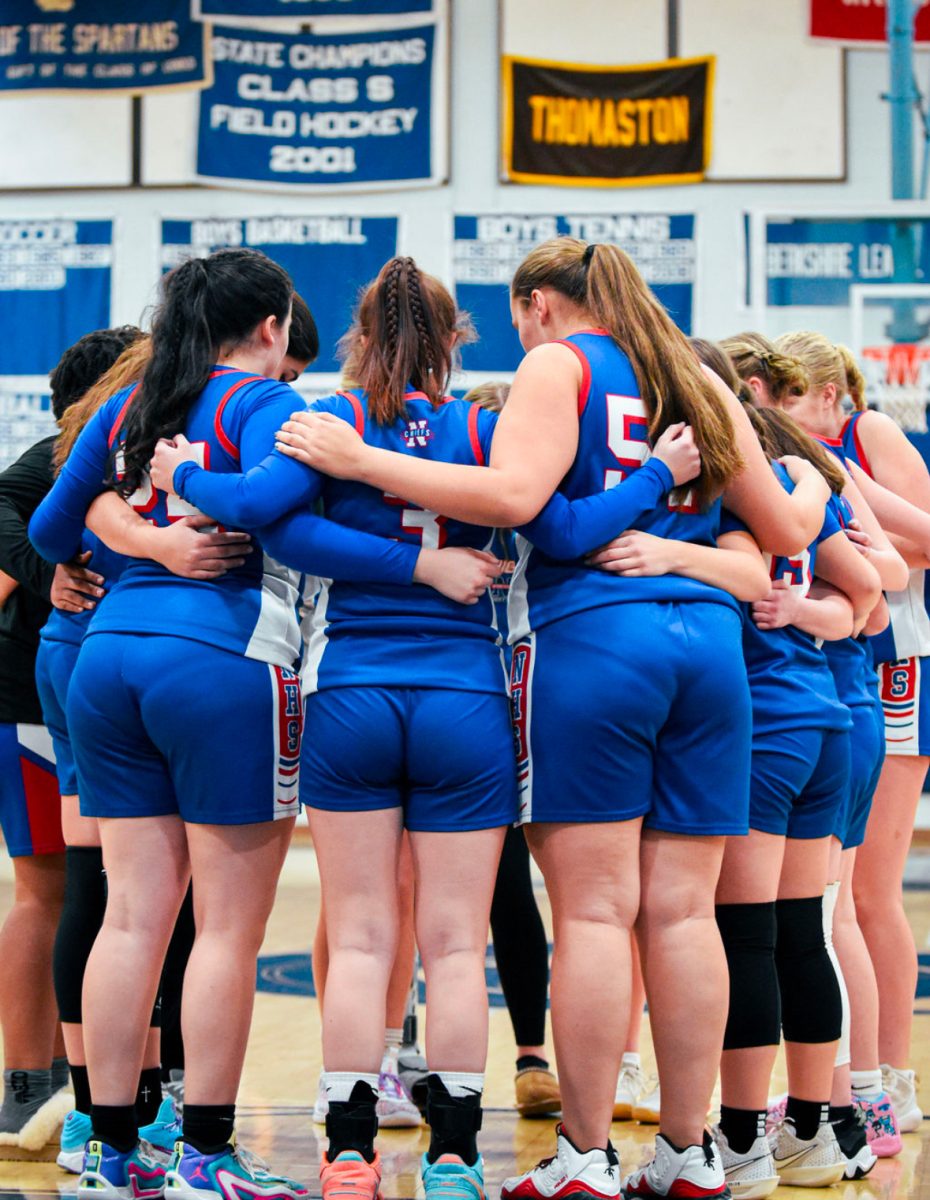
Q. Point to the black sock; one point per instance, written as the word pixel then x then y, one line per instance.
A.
pixel 148 1097
pixel 841 1112
pixel 526 1061
pixel 454 1122
pixel 81 1085
pixel 116 1125
pixel 352 1124
pixel 806 1116
pixel 208 1127
pixel 741 1126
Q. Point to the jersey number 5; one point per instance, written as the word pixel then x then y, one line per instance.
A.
pixel 144 498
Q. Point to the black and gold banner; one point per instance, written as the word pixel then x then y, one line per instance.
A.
pixel 566 123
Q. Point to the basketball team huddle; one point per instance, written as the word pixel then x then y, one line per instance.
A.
pixel 657 611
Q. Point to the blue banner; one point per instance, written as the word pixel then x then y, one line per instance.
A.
pixel 54 287
pixel 815 261
pixel 306 10
pixel 328 258
pixel 63 45
pixel 488 249
pixel 334 111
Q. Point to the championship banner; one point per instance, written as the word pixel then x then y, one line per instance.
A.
pixel 55 45
pixel 815 261
pixel 54 287
pixel 25 417
pixel 354 111
pixel 858 24
pixel 488 249
pixel 305 10
pixel 328 258
pixel 576 125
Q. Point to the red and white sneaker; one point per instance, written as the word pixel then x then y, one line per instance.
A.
pixel 695 1172
pixel 593 1173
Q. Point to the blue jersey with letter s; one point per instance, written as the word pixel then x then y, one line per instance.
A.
pixel 613 443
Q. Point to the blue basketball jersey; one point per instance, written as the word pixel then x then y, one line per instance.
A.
pixel 251 610
pixel 613 443
pixel 850 659
pixel 389 635
pixel 789 680
pixel 71 627
pixel 908 632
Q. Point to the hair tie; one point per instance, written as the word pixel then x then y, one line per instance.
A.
pixel 589 253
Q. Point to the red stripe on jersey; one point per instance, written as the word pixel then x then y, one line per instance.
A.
pixel 596 332
pixel 860 452
pixel 117 424
pixel 473 436
pixel 43 806
pixel 825 441
pixel 357 411
pixel 231 449
pixel 585 389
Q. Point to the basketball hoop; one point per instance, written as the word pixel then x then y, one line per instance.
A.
pixel 898 382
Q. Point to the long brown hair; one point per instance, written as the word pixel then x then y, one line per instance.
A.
pixel 783 435
pixel 713 356
pixel 603 281
pixel 826 363
pixel 127 369
pixel 753 354
pixel 405 332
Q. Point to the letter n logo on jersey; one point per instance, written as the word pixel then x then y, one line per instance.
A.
pixel 417 433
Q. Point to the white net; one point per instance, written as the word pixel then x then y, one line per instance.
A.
pixel 898 382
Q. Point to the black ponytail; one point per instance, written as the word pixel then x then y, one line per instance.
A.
pixel 209 306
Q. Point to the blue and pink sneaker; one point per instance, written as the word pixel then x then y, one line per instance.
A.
pixel 76 1132
pixel 232 1173
pixel 164 1132
pixel 881 1124
pixel 451 1178
pixel 110 1174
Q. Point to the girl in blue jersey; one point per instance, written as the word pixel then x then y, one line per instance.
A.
pixel 172 672
pixel 613 713
pixel 874 443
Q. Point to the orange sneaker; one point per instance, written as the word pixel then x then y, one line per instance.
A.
pixel 350 1177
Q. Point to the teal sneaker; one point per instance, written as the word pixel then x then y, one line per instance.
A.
pixel 76 1132
pixel 450 1178
pixel 164 1131
pixel 233 1174
pixel 111 1174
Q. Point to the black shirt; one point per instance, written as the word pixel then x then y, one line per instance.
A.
pixel 22 488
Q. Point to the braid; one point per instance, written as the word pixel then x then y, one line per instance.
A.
pixel 392 306
pixel 420 322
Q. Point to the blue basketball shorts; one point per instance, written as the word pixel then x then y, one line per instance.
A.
pixel 799 781
pixel 635 710
pixel 906 704
pixel 30 806
pixel 867 755
pixel 445 757
pixel 55 664
pixel 164 725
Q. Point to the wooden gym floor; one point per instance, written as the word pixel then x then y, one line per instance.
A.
pixel 279 1084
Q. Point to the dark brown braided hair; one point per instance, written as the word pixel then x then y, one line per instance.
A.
pixel 405 333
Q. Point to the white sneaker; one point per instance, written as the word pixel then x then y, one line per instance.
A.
pixel 631 1083
pixel 901 1087
pixel 647 1108
pixel 817 1163
pixel 696 1171
pixel 321 1105
pixel 595 1173
pixel 749 1176
pixel 395 1109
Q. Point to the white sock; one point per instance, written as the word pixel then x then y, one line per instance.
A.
pixel 339 1084
pixel 866 1085
pixel 631 1060
pixel 393 1039
pixel 462 1083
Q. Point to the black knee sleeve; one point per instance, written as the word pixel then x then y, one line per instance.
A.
pixel 812 1008
pixel 748 935
pixel 81 918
